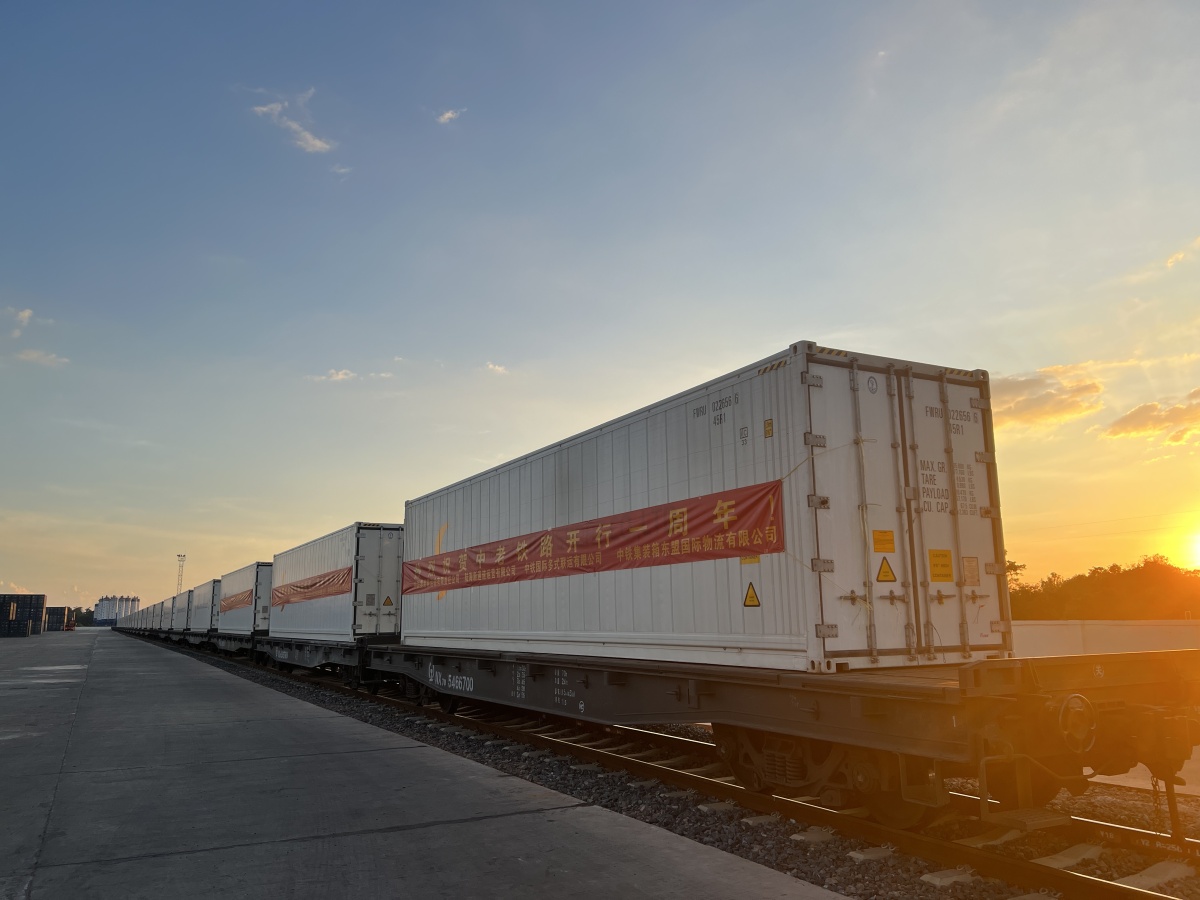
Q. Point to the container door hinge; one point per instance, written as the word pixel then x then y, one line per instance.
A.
pixel 989 512
pixel 822 565
pixel 993 569
pixel 1001 627
pixel 981 457
pixel 812 380
pixel 980 403
pixel 911 493
pixel 816 501
pixel 826 631
pixel 814 440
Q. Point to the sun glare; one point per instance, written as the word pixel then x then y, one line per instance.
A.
pixel 1194 561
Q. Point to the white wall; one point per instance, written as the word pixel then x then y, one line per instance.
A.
pixel 1068 638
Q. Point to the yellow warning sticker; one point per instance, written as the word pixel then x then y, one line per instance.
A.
pixel 941 565
pixel 387 601
pixel 885 571
pixel 883 541
pixel 751 596
pixel 747 560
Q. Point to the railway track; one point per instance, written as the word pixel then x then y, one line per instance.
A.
pixel 693 765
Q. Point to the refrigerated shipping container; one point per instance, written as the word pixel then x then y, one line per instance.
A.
pixel 245 606
pixel 340 587
pixel 819 510
pixel 179 608
pixel 205 605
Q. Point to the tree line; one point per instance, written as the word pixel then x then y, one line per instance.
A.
pixel 1151 589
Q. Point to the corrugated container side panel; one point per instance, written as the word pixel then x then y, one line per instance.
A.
pixel 180 607
pixel 206 599
pixel 248 578
pixel 331 617
pixel 661 456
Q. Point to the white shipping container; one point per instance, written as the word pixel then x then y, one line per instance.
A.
pixel 245 605
pixel 181 607
pixel 206 603
pixel 339 587
pixel 879 482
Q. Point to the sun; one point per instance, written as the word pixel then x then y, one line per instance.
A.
pixel 1194 562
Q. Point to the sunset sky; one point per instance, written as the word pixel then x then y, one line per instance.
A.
pixel 269 268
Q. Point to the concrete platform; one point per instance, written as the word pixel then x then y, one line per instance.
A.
pixel 130 771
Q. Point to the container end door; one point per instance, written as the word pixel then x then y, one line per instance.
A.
pixel 862 531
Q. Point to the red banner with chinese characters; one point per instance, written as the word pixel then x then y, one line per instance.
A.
pixel 327 584
pixel 735 523
pixel 237 601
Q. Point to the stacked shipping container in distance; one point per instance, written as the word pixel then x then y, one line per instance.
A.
pixel 60 618
pixel 22 615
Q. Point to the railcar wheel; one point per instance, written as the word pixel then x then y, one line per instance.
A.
pixel 729 741
pixel 448 703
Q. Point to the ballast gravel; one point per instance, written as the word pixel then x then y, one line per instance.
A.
pixel 895 877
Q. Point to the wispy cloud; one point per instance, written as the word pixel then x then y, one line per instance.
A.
pixel 287 113
pixel 42 358
pixel 334 375
pixel 338 169
pixel 22 317
pixel 1049 396
pixel 1161 267
pixel 14 588
pixel 445 118
pixel 382 375
pixel 497 369
pixel 1174 422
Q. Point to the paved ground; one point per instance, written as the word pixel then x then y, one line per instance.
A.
pixel 130 771
pixel 1139 777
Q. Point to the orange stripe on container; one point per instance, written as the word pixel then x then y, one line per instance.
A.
pixel 237 601
pixel 739 522
pixel 328 584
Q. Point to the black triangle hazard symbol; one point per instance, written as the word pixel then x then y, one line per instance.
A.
pixel 751 596
pixel 387 601
pixel 885 571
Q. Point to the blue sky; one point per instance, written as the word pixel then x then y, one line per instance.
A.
pixel 269 268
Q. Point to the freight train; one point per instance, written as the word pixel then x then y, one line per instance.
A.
pixel 806 553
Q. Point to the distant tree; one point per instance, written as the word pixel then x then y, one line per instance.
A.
pixel 83 616
pixel 1153 589
pixel 1014 570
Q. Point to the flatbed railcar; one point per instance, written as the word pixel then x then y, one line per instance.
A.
pixel 806 553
